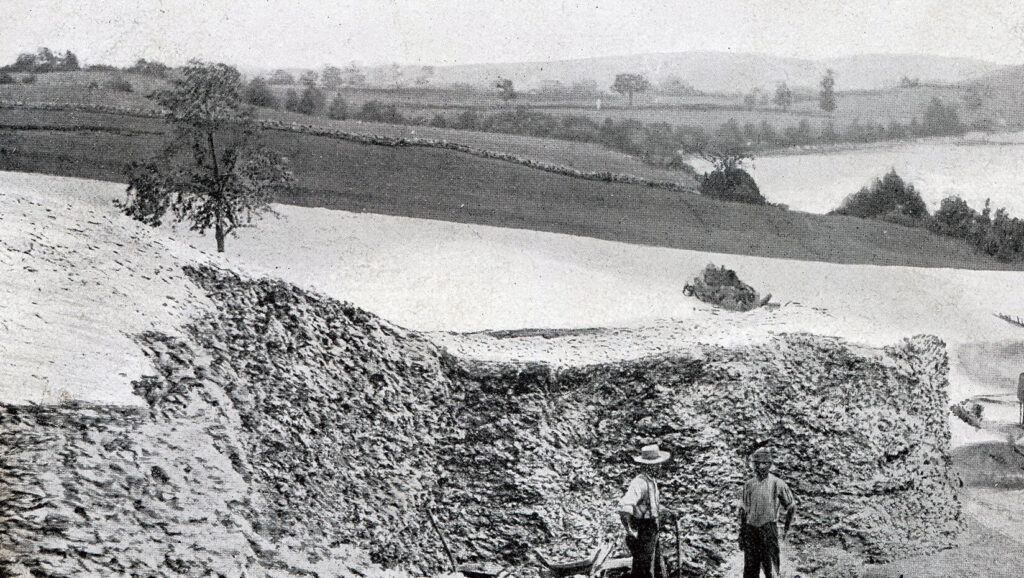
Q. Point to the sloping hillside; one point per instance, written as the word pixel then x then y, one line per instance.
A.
pixel 442 184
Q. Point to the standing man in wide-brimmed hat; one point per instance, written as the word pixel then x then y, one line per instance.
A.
pixel 639 509
pixel 763 496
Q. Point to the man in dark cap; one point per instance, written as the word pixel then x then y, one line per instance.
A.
pixel 762 497
pixel 639 509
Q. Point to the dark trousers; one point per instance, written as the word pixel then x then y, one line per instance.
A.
pixel 760 550
pixel 647 562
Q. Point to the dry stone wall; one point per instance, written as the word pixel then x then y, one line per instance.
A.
pixel 300 428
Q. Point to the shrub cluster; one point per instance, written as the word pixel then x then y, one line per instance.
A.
pixel 311 102
pixel 888 198
pixel 998 235
pixel 891 199
pixel 43 60
pixel 338 109
pixel 118 83
pixel 258 93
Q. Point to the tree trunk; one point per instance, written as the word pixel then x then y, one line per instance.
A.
pixel 220 238
pixel 630 98
pixel 220 233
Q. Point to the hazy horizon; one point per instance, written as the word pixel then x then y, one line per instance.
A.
pixel 277 34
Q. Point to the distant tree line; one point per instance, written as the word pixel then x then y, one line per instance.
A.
pixel 659 144
pixel 891 199
pixel 141 66
pixel 43 60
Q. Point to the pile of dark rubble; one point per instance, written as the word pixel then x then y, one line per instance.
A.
pixel 300 427
pixel 722 287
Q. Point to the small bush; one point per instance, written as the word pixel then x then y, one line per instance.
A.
pixel 312 100
pixel 941 119
pixel 439 121
pixel 257 93
pixel 8 143
pixel 119 84
pixel 731 184
pixel 376 111
pixel 28 79
pixel 6 78
pixel 889 197
pixel 954 218
pixel 338 109
pixel 291 101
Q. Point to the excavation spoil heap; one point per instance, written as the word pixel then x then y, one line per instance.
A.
pixel 288 428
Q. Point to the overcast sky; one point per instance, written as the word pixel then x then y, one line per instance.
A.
pixel 278 33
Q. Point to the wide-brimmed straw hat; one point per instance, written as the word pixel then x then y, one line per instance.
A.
pixel 652 455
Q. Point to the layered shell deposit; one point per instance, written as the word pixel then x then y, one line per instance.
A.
pixel 287 432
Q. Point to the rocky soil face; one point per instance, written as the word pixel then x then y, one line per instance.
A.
pixel 288 429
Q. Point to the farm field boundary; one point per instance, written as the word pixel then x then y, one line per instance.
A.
pixel 372 139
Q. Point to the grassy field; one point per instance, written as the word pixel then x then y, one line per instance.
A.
pixel 583 156
pixel 708 112
pixel 451 186
pixel 82 87
pixel 998 103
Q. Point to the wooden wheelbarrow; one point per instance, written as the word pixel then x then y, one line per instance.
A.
pixel 590 566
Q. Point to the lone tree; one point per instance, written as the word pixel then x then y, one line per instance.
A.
pixel 214 173
pixel 506 89
pixel 331 77
pixel 630 84
pixel 783 96
pixel 827 97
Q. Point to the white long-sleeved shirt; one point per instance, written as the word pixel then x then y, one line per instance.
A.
pixel 641 498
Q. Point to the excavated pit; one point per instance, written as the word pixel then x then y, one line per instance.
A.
pixel 292 434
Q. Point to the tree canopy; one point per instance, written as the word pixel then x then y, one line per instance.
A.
pixel 630 84
pixel 506 89
pixel 214 173
pixel 783 96
pixel 43 60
